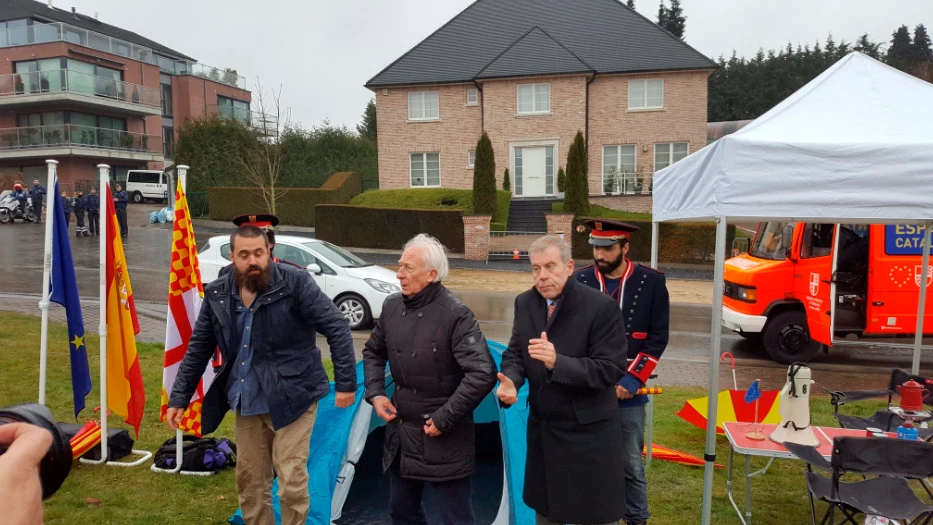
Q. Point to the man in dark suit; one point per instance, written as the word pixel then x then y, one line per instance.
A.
pixel 567 341
pixel 641 294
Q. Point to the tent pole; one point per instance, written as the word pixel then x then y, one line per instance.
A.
pixel 715 351
pixel 921 307
pixel 655 230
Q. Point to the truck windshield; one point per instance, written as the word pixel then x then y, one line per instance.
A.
pixel 768 242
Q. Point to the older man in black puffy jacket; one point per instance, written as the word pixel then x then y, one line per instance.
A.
pixel 442 370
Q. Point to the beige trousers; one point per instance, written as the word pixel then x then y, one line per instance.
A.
pixel 263 453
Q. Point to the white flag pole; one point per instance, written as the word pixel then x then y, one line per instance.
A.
pixel 46 275
pixel 182 172
pixel 102 328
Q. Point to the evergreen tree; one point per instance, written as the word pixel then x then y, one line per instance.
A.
pixel 484 178
pixel 922 50
pixel 868 47
pixel 367 127
pixel 662 14
pixel 506 183
pixel 675 21
pixel 561 180
pixel 577 196
pixel 899 54
pixel 631 4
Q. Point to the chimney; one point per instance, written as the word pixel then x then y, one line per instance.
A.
pixel 95 15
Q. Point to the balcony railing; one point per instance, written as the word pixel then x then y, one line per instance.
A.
pixel 624 183
pixel 265 124
pixel 69 81
pixel 62 32
pixel 76 135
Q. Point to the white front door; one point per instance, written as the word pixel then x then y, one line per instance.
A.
pixel 534 172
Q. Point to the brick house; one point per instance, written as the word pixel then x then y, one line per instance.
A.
pixel 83 92
pixel 532 73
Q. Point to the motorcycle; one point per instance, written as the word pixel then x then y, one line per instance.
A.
pixel 10 209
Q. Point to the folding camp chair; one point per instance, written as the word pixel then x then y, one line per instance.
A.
pixel 892 462
pixel 884 420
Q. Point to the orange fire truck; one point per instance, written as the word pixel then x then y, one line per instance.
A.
pixel 800 285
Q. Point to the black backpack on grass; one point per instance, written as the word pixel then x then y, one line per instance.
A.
pixel 198 455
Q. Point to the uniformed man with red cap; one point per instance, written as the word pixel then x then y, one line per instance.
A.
pixel 642 295
pixel 266 222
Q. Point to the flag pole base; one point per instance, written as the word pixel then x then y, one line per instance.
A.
pixel 145 456
pixel 182 472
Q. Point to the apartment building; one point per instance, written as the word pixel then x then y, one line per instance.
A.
pixel 84 92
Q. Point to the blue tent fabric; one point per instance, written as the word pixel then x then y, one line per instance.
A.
pixel 328 443
pixel 332 432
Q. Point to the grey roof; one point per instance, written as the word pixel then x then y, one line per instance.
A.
pixel 13 9
pixel 535 53
pixel 491 36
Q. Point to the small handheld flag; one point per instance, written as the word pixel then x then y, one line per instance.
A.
pixel 753 393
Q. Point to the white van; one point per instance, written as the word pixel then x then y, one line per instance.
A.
pixel 147 184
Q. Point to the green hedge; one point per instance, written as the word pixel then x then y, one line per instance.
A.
pixel 295 207
pixel 432 199
pixel 679 242
pixel 386 228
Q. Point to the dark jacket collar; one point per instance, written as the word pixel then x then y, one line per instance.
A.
pixel 424 297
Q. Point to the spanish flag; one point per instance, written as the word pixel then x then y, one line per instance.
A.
pixel 125 393
pixel 185 292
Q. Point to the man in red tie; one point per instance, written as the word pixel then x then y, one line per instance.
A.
pixel 568 343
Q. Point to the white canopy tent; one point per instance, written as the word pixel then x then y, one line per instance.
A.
pixel 855 145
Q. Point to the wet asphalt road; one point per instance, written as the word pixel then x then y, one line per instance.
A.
pixel 148 255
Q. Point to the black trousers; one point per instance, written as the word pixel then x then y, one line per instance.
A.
pixel 121 219
pixel 37 207
pixel 67 219
pixel 453 500
pixel 80 228
pixel 93 222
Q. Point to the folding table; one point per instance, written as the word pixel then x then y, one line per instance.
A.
pixel 739 442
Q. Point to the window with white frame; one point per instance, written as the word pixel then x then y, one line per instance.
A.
pixel 472 97
pixel 619 175
pixel 471 158
pixel 534 98
pixel 646 94
pixel 425 170
pixel 667 154
pixel 423 105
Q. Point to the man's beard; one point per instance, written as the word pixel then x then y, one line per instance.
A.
pixel 607 267
pixel 255 282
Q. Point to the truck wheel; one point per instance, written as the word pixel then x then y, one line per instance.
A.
pixel 787 340
pixel 137 197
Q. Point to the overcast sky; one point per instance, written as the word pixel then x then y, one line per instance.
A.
pixel 322 51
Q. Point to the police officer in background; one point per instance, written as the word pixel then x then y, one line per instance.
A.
pixel 37 194
pixel 80 204
pixel 641 293
pixel 267 223
pixel 93 212
pixel 120 199
pixel 67 205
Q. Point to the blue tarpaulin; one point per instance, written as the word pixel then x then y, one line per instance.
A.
pixel 331 435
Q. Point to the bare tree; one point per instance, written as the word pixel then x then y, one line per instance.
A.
pixel 262 163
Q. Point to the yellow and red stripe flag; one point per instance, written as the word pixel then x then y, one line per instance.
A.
pixel 185 292
pixel 125 393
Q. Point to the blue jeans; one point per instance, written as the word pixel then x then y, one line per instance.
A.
pixel 636 483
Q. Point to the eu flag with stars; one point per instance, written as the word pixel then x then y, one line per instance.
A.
pixel 64 291
pixel 752 393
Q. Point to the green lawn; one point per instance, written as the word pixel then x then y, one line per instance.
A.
pixel 434 199
pixel 606 213
pixel 138 496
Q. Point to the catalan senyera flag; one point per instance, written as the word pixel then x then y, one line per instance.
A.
pixel 125 393
pixel 185 292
